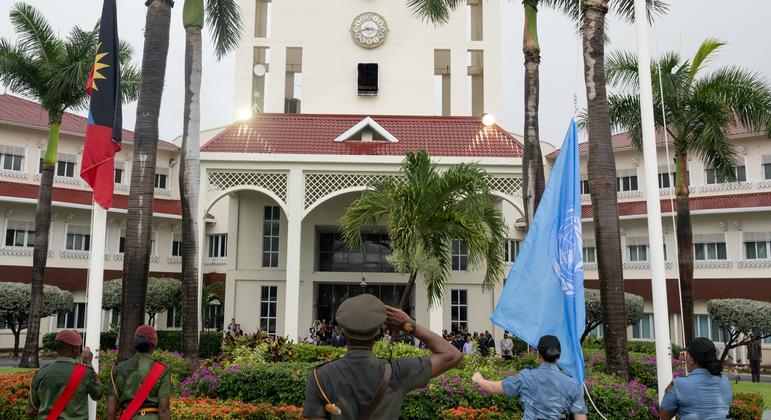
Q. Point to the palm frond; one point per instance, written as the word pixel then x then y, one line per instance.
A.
pixel 130 81
pixel 625 9
pixel 703 55
pixel 709 119
pixel 224 19
pixel 19 72
pixel 746 93
pixel 621 69
pixel 34 31
pixel 434 11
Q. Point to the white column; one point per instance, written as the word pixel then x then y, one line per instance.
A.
pixel 295 200
pixel 233 223
pixel 436 317
pixel 95 283
pixel 655 232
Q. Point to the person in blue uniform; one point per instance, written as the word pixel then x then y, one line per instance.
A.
pixel 705 394
pixel 546 392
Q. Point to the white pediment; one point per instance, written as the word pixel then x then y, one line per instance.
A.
pixel 367 130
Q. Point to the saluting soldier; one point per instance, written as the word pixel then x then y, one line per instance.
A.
pixel 359 385
pixel 61 389
pixel 141 386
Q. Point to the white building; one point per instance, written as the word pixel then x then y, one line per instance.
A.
pixel 731 230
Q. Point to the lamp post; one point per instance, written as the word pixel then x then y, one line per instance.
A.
pixel 363 284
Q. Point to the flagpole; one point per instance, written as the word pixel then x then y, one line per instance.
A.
pixel 95 283
pixel 655 232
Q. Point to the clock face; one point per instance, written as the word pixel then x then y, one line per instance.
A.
pixel 369 30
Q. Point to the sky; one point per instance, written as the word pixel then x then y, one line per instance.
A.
pixel 744 25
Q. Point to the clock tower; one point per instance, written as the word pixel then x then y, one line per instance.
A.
pixel 368 57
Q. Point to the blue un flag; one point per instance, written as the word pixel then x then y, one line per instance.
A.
pixel 544 293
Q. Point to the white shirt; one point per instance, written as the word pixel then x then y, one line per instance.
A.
pixel 468 348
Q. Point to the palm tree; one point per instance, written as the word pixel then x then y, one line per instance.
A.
pixel 532 162
pixel 699 110
pixel 136 258
pixel 225 17
pixel 425 210
pixel 54 72
pixel 602 167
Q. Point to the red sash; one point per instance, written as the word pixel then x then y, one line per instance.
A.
pixel 144 391
pixel 69 391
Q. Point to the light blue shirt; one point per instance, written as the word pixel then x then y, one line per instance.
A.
pixel 699 395
pixel 546 393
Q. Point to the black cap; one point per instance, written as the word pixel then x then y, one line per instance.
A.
pixel 547 343
pixel 702 350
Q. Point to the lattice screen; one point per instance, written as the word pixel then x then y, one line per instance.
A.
pixel 508 185
pixel 275 182
pixel 319 185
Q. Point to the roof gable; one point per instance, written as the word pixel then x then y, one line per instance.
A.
pixel 367 130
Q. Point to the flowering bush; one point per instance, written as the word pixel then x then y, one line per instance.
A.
pixel 642 367
pixel 14 394
pixel 746 406
pixel 623 400
pixel 207 408
pixel 469 413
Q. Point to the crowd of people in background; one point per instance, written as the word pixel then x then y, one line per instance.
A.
pixel 234 329
pixel 485 344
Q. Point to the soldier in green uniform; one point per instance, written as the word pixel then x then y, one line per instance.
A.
pixel 141 386
pixel 359 385
pixel 61 381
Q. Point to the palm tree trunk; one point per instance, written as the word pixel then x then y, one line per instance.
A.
pixel 407 291
pixel 136 260
pixel 684 245
pixel 29 358
pixel 189 182
pixel 602 184
pixel 532 163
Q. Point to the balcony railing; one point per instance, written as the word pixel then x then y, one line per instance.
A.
pixel 216 261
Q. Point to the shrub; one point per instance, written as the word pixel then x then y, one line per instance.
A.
pixel 307 353
pixel 107 340
pixel 48 341
pixel 449 392
pixel 206 408
pixel 169 340
pixel 622 400
pixel 271 383
pixel 14 394
pixel 647 347
pixel 383 350
pixel 470 413
pixel 746 406
pixel 209 344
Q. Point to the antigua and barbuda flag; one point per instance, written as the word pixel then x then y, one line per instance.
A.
pixel 544 293
pixel 103 134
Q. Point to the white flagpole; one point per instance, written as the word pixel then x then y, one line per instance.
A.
pixel 655 233
pixel 95 283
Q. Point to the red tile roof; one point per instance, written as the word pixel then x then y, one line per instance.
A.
pixel 16 110
pixel 315 134
pixel 623 141
pixel 73 196
pixel 734 201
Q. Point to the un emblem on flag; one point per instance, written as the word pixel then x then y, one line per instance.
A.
pixel 568 259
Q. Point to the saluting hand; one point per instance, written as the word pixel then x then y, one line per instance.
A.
pixel 87 356
pixel 396 317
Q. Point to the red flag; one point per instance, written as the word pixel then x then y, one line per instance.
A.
pixel 103 133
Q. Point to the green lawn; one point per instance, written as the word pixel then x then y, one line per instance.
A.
pixel 760 388
pixel 12 370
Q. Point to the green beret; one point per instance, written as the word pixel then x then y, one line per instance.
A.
pixel 361 317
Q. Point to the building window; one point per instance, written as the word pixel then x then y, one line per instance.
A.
pixel 598 332
pixel 511 250
pixel 590 254
pixel 458 309
pixel 121 241
pixel 636 249
pixel 176 245
pixel 368 78
pixel 767 167
pixel 261 18
pixel 268 304
pixel 476 81
pixel 161 178
pixel 334 254
pixel 666 180
pixel 442 82
pixel 78 238
pixel 270 236
pixel 712 177
pixel 643 329
pixel 173 317
pixel 584 186
pixel 293 81
pixel 459 255
pixel 756 245
pixel 119 176
pixel 260 72
pixel 21 234
pixel 76 318
pixel 709 247
pixel 11 158
pixel 475 20
pixel 705 326
pixel 65 165
pixel 626 180
pixel 218 245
